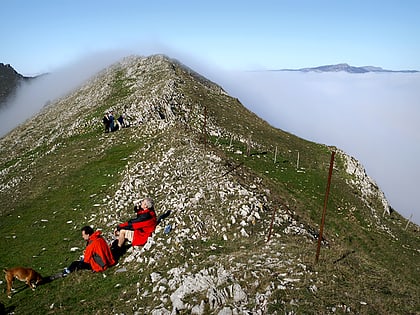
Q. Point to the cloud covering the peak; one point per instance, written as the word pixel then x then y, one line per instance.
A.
pixel 33 95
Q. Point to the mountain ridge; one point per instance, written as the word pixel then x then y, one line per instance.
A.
pixel 344 67
pixel 226 175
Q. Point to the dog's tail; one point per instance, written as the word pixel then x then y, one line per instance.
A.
pixel 4 270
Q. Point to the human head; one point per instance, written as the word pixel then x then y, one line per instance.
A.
pixel 87 231
pixel 147 203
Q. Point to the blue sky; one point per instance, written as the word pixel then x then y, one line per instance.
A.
pixel 373 118
pixel 40 36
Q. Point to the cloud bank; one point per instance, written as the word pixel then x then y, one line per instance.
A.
pixel 32 96
pixel 373 117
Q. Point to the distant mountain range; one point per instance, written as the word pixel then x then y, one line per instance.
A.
pixel 346 68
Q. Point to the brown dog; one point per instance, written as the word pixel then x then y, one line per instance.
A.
pixel 28 275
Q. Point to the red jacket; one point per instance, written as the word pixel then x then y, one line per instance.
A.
pixel 97 253
pixel 143 226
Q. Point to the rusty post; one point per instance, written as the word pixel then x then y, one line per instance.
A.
pixel 408 222
pixel 204 127
pixel 327 191
pixel 271 225
pixel 275 156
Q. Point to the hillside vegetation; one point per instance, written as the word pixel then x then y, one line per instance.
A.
pixel 246 201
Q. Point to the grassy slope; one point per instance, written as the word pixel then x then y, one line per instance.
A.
pixel 358 265
pixel 65 199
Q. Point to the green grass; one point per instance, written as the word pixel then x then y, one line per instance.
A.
pixel 44 214
pixel 366 280
pixel 92 293
pixel 42 228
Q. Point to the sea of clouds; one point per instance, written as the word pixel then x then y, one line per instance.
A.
pixel 372 116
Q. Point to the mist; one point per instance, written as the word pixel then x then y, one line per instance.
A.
pixel 31 96
pixel 373 117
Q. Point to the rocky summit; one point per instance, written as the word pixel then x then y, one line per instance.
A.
pixel 245 202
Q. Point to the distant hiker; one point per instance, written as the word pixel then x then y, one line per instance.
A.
pixel 96 257
pixel 106 122
pixel 138 229
pixel 111 121
pixel 121 121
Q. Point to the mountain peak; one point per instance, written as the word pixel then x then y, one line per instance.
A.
pixel 242 232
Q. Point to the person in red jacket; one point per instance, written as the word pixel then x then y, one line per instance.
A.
pixel 97 255
pixel 138 229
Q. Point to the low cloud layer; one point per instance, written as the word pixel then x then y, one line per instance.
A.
pixel 32 96
pixel 373 117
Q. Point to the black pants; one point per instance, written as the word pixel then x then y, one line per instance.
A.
pixel 79 265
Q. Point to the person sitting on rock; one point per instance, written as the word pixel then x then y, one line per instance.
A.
pixel 138 229
pixel 121 121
